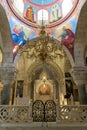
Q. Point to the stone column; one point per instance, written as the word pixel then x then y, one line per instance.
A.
pixel 79 76
pixel 7 76
pixel 25 89
pixel 82 94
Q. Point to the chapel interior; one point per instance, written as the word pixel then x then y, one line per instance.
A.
pixel 43 61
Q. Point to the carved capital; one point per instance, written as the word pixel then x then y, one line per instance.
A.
pixel 7 73
pixel 79 75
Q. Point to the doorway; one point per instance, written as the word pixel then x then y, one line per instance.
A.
pixel 44 112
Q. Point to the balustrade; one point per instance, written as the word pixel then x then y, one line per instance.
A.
pixel 23 114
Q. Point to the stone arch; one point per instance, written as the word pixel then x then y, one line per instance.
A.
pixel 81 36
pixel 69 56
pixel 81 31
pixel 36 63
pixel 56 69
pixel 5 37
pixel 56 41
pixel 57 72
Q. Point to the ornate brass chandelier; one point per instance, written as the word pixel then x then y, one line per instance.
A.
pixel 43 47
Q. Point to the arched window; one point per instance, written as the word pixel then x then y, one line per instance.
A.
pixel 66 6
pixel 42 17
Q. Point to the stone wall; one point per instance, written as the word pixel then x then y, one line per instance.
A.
pixel 81 37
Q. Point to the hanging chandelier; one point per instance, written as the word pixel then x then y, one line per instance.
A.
pixel 43 47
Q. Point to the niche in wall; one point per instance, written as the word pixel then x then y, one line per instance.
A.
pixel 19 89
pixel 69 89
pixel 69 85
pixel 86 60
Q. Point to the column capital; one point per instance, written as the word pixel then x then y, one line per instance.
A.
pixel 7 72
pixel 79 74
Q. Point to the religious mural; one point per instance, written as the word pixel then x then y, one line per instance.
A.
pixel 19 37
pixel 67 38
pixel 55 13
pixel 66 34
pixel 61 16
pixel 30 12
pixel 20 34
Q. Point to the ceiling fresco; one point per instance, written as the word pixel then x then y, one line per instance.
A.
pixel 43 2
pixel 60 18
pixel 52 14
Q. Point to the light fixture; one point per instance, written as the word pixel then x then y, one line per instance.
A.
pixel 43 48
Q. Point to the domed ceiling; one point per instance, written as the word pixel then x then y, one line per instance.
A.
pixel 51 12
pixel 43 2
pixel 26 16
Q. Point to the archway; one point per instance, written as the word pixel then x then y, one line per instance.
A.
pixel 53 81
pixel 5 37
pixel 39 54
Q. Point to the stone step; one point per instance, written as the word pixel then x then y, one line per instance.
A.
pixel 43 126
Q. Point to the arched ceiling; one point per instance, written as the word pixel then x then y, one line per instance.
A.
pixel 52 12
pixel 81 34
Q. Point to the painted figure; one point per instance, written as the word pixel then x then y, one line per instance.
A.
pixel 30 14
pixel 16 30
pixel 19 36
pixel 67 37
pixel 56 13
